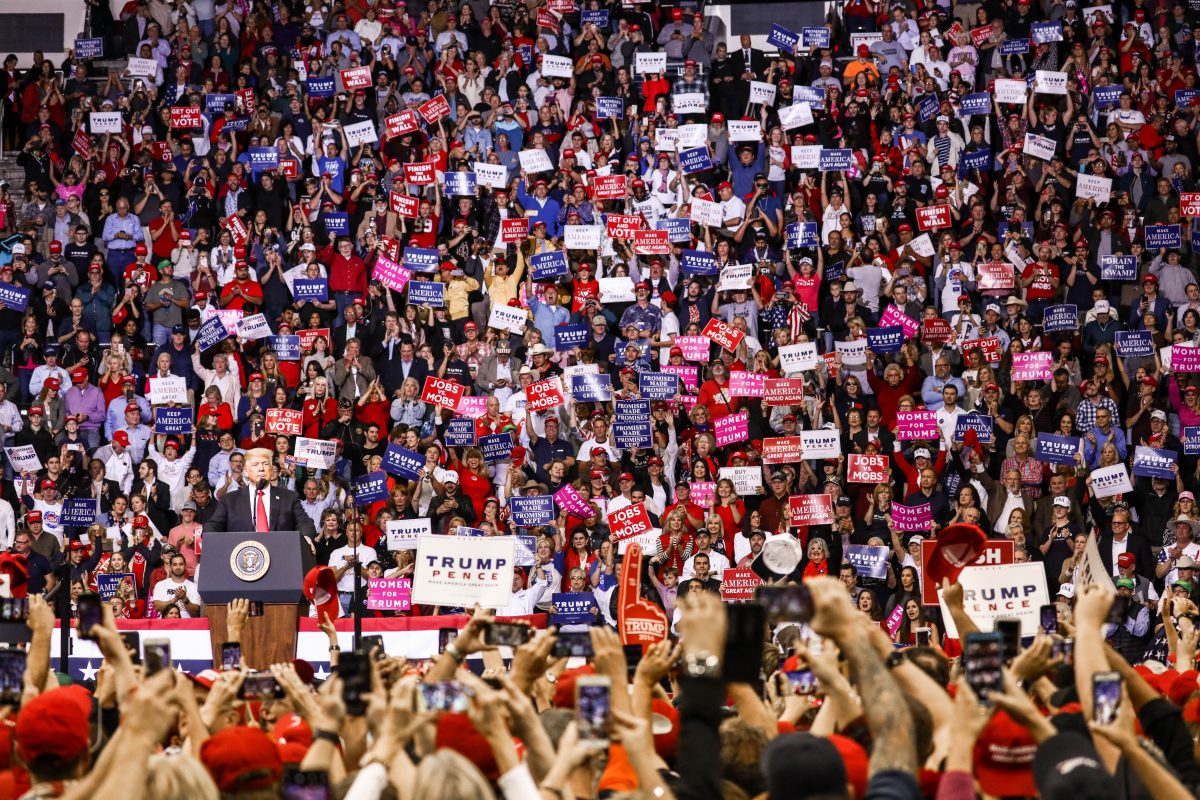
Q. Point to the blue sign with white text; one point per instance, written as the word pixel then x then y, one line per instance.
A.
pixel 530 512
pixel 80 511
pixel 427 293
pixel 568 337
pixel 975 103
pixel 496 447
pixel 263 158
pixel 421 259
pixel 610 108
pixel 370 488
pixel 460 184
pixel 548 266
pixel 658 385
pixel 1054 449
pixel 835 159
pixel 305 289
pixel 801 234
pixel 322 87
pixel 173 420
pixel 1062 317
pixel 286 348
pixel 885 340
pixel 336 222
pixel 1152 462
pixel 784 39
pixel 460 432
pixel 698 262
pixel 695 160
pixel 209 334
pixel 1158 236
pixel 1135 344
pixel 403 462
pixel 974 421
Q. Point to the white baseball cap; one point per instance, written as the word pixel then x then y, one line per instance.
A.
pixel 1102 307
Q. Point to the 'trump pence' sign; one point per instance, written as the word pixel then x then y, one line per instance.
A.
pixel 462 571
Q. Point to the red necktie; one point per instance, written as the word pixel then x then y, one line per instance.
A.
pixel 260 515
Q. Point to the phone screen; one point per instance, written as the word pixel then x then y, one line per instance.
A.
pixel 88 606
pixel 231 656
pixel 923 637
pixel 742 661
pixel 1010 630
pixel 444 696
pixel 14 609
pixel 255 609
pixel 785 603
pixel 12 676
pixel 133 644
pixel 507 634
pixel 594 710
pixel 1106 697
pixel 445 637
pixel 156 653
pixel 802 681
pixel 356 682
pixel 1064 649
pixel 1118 610
pixel 260 686
pixel 1049 618
pixel 306 785
pixel 573 645
pixel 983 658
pixel 370 642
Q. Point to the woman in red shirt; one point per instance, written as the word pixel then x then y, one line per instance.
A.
pixel 373 406
pixel 319 409
pixel 473 479
pixel 715 395
pixel 730 508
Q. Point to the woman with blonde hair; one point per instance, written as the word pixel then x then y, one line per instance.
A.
pixel 179 777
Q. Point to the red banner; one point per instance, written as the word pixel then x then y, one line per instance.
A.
pixel 356 78
pixel 284 421
pixel 289 167
pixel 237 229
pixel 514 229
pixel 403 204
pixel 545 19
pixel 990 345
pixel 739 584
pixel 811 509
pixel 308 335
pixel 442 392
pixel 610 187
pixel 543 395
pixel 936 330
pixel 625 226
pixel 629 522
pixel 419 174
pixel 434 108
pixel 783 391
pixel 651 243
pixel 980 35
pixel 162 151
pixel 247 98
pixel 400 124
pixel 782 449
pixel 641 622
pixel 868 469
pixel 723 334
pixel 932 218
pixel 82 143
pixel 186 117
pixel 1189 204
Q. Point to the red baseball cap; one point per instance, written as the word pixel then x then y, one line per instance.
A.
pixel 242 758
pixel 957 547
pixel 54 723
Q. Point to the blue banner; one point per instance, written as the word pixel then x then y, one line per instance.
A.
pixel 592 388
pixel 403 462
pixel 1014 47
pixel 236 124
pixel 801 234
pixel 460 184
pixel 928 107
pixel 216 103
pixel 427 293
pixel 1186 97
pixel 460 432
pixel 980 160
pixel 1191 441
pixel 976 103
pixel 974 421
pixel 496 447
pixel 599 18
pixel 89 48
pixel 286 348
pixel 262 158
pixel 530 512
pixel 678 230
pixel 885 340
pixel 321 87
pixel 370 488
pixel 610 108
pixel 1107 96
pixel 1054 449
pixel 14 296
pixel 526 551
pixel 784 39
pixel 548 266
pixel 813 95
pixel 567 337
pixel 421 259
pixel 1151 462
pixel 835 271
pixel 573 608
pixel 1118 268
pixel 305 289
pixel 1063 317
pixel 871 562
pixel 632 425
pixel 209 334
pixel 1043 32
pixel 1135 344
pixel 80 511
pixel 695 160
pixel 1163 236
pixel 173 420
pixel 817 37
pixel 835 159
pixel 698 262
pixel 658 385
pixel 336 222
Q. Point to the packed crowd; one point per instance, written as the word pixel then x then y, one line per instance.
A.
pixel 925 265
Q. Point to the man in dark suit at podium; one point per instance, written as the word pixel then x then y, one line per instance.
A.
pixel 260 506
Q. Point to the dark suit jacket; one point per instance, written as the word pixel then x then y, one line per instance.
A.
pixel 1137 545
pixel 758 62
pixel 233 513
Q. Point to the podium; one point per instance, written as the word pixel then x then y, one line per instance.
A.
pixel 261 567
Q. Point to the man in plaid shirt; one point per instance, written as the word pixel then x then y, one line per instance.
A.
pixel 689 82
pixel 1085 412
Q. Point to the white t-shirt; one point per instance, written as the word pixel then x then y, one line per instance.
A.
pixel 164 591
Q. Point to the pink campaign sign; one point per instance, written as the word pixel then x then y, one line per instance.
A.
pixel 920 424
pixel 911 518
pixel 570 500
pixel 747 384
pixel 894 316
pixel 1035 366
pixel 695 348
pixel 1185 359
pixel 689 374
pixel 732 428
pixel 389 594
pixel 391 274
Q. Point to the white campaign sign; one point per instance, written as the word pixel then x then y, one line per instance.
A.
pixel 922 245
pixel 24 458
pixel 404 534
pixel 762 92
pixel 1050 82
pixel 645 63
pixel 1002 591
pixel 852 353
pixel 746 480
pixel 795 358
pixel 806 156
pixel 172 389
pixel 1010 91
pixel 735 276
pixel 316 453
pixel 744 130
pixel 582 237
pixel 507 318
pixel 707 212
pixel 796 116
pixel 666 139
pixel 1039 146
pixel 142 67
pixel 556 66
pixel 464 570
pixel 616 290
pixel 494 176
pixel 535 161
pixel 689 103
pixel 1108 481
pixel 821 444
pixel 361 133
pixel 694 134
pixel 1094 186
pixel 105 121
pixel 254 327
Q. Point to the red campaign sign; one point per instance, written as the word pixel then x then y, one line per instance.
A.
pixel 990 345
pixel 82 143
pixel 237 229
pixel 561 6
pixel 400 124
pixel 651 243
pixel 980 35
pixel 247 97
pixel 391 247
pixel 356 78
pixel 739 584
pixel 931 218
pixel 995 552
pixel 640 621
pixel 811 509
pixel 543 395
pixel 434 109
pixel 162 151
pixel 1189 204
pixel 782 449
pixel 545 19
pixel 830 359
pixel 284 421
pixel 630 522
pixel 514 229
pixel 308 335
pixel 723 334
pixel 610 187
pixel 186 117
pixel 289 167
pixel 403 204
pixel 624 226
pixel 442 392
pixel 419 174
pixel 784 391
pixel 868 469
pixel 936 330
pixel 996 275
